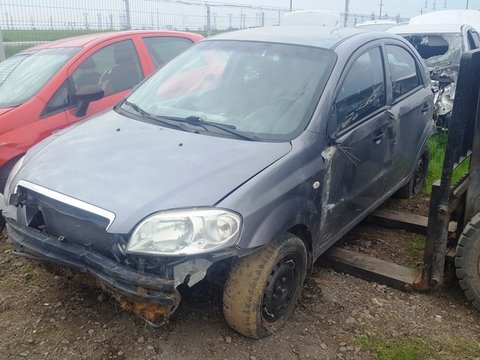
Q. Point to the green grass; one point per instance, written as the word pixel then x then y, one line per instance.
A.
pixel 415 348
pixel 416 247
pixel 437 145
pixel 43 35
pixel 401 348
pixel 12 50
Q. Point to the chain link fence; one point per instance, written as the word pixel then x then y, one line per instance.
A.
pixel 25 23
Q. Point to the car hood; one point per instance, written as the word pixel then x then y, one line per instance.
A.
pixel 133 168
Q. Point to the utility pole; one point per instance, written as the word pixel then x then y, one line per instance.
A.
pixel 381 8
pixel 347 5
pixel 434 7
pixel 127 15
pixel 291 5
pixel 445 4
pixel 209 25
pixel 466 6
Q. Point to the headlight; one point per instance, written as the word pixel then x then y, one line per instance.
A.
pixel 185 232
pixel 12 175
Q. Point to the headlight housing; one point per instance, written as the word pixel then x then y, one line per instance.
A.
pixel 185 232
pixel 16 168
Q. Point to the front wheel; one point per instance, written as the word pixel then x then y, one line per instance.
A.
pixel 467 261
pixel 263 287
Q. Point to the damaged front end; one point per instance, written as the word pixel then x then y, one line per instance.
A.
pixel 444 80
pixel 442 53
pixel 75 239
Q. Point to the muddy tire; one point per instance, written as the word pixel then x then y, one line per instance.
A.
pixel 415 186
pixel 263 287
pixel 467 261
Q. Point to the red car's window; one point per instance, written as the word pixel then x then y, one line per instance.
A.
pixel 114 68
pixel 162 49
pixel 24 76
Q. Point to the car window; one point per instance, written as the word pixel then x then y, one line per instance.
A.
pixel 437 48
pixel 9 65
pixel 24 76
pixel 162 49
pixel 60 101
pixel 114 68
pixel 362 91
pixel 262 89
pixel 403 70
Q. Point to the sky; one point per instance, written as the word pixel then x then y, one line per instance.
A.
pixel 406 8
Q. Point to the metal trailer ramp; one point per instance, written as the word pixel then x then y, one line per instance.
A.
pixel 452 207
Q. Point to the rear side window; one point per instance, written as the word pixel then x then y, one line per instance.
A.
pixel 114 68
pixel 162 49
pixel 362 91
pixel 403 71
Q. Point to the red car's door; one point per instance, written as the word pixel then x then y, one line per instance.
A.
pixel 114 67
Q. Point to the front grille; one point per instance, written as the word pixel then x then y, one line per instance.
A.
pixel 71 224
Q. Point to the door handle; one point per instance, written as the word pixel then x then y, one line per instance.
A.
pixel 425 109
pixel 378 136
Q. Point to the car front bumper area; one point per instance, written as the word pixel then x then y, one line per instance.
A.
pixel 147 295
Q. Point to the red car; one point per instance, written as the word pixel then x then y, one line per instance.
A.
pixel 50 86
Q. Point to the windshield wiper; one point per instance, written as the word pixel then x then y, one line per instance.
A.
pixel 228 128
pixel 160 119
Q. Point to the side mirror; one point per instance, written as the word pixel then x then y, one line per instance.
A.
pixel 85 95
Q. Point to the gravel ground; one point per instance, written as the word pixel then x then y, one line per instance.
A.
pixel 43 316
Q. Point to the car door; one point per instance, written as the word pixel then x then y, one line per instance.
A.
pixel 411 109
pixel 115 68
pixel 362 141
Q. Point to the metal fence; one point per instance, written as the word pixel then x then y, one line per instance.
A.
pixel 24 23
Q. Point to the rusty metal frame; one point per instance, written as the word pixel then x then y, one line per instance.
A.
pixel 445 199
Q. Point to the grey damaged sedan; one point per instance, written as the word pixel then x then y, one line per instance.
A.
pixel 247 156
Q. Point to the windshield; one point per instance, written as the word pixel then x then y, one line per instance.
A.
pixel 23 75
pixel 437 48
pixel 264 90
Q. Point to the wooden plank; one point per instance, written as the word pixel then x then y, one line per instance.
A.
pixel 451 251
pixel 403 220
pixel 371 269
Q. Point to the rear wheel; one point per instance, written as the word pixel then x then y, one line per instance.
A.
pixel 415 186
pixel 263 287
pixel 467 261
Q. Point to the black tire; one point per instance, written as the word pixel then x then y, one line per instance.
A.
pixel 415 186
pixel 467 261
pixel 263 287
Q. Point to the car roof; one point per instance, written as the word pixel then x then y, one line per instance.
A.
pixel 315 36
pixel 426 29
pixel 94 39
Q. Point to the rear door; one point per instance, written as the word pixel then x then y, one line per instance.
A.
pixel 363 140
pixel 411 109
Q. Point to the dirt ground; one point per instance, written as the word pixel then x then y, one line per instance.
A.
pixel 43 316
